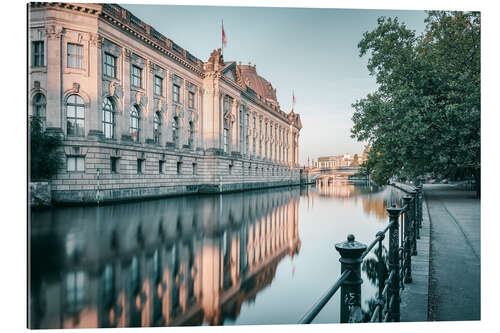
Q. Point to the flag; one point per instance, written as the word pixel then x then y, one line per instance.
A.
pixel 224 40
pixel 293 98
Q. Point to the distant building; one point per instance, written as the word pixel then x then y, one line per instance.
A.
pixel 331 162
pixel 151 117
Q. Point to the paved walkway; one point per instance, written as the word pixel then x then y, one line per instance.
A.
pixel 454 266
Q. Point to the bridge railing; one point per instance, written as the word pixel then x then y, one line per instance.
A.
pixel 403 232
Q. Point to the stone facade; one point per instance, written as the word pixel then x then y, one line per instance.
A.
pixel 331 162
pixel 142 117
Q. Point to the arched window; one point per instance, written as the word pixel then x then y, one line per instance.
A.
pixel 175 130
pixel 108 119
pixel 157 127
pixel 191 134
pixel 39 106
pixel 134 123
pixel 75 116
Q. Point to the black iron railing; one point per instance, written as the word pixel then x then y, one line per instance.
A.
pixel 404 224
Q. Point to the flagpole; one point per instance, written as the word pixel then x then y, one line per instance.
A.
pixel 222 39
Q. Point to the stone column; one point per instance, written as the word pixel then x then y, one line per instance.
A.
pixel 95 75
pixel 122 125
pixel 54 107
pixel 149 109
pixel 198 139
pixel 235 126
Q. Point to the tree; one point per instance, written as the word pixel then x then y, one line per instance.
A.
pixel 45 159
pixel 355 160
pixel 425 115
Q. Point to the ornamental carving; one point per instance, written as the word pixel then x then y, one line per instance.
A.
pixel 127 54
pixel 76 87
pixel 54 31
pixel 116 90
pixel 96 40
pixel 141 99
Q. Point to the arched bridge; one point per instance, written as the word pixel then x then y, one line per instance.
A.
pixel 310 175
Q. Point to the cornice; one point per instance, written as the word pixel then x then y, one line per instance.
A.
pixel 152 38
pixel 155 45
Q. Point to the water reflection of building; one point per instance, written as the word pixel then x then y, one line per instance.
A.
pixel 372 197
pixel 167 262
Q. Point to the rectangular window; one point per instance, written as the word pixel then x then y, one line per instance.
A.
pixel 37 54
pixel 175 93
pixel 226 143
pixel 76 164
pixel 136 77
pixel 161 166
pixel 139 166
pixel 75 55
pixel 230 169
pixel 194 169
pixel 191 99
pixel 109 65
pixel 179 166
pixel 75 291
pixel 114 164
pixel 158 85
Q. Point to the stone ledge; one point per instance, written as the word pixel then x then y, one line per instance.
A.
pixel 88 194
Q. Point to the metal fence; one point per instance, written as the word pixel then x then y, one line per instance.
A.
pixel 404 226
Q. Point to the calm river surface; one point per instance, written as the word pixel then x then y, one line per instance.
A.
pixel 256 257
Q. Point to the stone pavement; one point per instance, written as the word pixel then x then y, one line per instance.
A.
pixel 455 257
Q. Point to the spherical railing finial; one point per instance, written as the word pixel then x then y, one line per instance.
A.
pixel 350 238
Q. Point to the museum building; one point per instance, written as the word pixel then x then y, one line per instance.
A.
pixel 143 117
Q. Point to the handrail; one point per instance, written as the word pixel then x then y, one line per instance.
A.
pixel 408 220
pixel 309 317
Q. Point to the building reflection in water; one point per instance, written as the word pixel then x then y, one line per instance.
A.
pixel 180 261
pixel 374 199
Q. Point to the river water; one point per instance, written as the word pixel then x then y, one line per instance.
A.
pixel 255 257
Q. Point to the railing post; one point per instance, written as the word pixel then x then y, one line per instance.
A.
pixel 393 291
pixel 420 189
pixel 407 239
pixel 416 233
pixel 381 272
pixel 350 291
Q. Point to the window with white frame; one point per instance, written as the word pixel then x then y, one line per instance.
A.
pixel 75 55
pixel 158 85
pixel 176 93
pixel 136 77
pixel 191 134
pixel 39 106
pixel 175 130
pixel 75 163
pixel 37 54
pixel 109 67
pixel 135 123
pixel 226 140
pixel 108 118
pixel 75 116
pixel 75 291
pixel 157 127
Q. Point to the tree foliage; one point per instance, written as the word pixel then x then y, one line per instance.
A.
pixel 45 159
pixel 425 115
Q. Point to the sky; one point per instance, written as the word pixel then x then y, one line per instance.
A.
pixel 311 51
